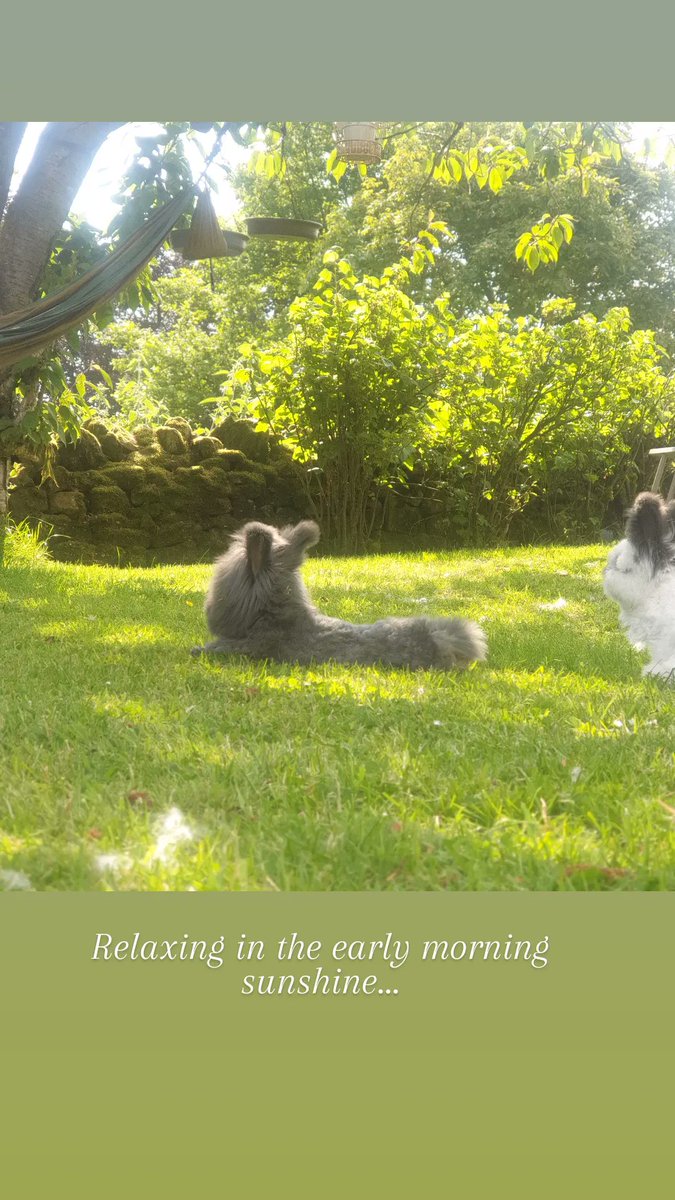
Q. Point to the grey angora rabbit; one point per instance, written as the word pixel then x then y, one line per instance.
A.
pixel 257 605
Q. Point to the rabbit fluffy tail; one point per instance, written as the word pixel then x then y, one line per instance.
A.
pixel 459 642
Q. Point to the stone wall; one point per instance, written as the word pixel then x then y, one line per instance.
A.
pixel 159 495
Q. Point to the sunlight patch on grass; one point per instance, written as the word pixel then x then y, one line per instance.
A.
pixel 128 709
pixel 128 634
pixel 60 629
pixel 513 775
pixel 32 602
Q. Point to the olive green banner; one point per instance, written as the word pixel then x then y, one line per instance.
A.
pixel 300 61
pixel 383 1044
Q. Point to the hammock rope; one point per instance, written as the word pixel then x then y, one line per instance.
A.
pixel 31 329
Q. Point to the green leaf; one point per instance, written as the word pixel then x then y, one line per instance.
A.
pixel 495 179
pixel 523 241
pixel 532 257
pixel 106 377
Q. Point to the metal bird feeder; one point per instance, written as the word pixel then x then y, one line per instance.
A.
pixel 357 142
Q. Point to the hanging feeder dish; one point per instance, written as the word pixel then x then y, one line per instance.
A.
pixel 205 237
pixel 285 229
pixel 357 142
pixel 236 242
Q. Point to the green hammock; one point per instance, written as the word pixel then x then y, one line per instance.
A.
pixel 31 329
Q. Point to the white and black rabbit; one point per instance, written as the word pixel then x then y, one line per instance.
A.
pixel 640 576
pixel 257 605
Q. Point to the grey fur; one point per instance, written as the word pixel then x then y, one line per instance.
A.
pixel 257 605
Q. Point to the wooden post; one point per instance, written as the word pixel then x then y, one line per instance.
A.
pixel 663 453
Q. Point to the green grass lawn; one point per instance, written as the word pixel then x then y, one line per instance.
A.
pixel 126 764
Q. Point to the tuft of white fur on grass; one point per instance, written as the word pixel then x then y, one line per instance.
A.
pixel 113 863
pixel 171 831
pixel 555 606
pixel 15 881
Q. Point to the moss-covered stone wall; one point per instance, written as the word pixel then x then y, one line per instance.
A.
pixel 157 495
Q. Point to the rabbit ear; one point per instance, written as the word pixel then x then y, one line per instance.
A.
pixel 258 542
pixel 299 538
pixel 649 528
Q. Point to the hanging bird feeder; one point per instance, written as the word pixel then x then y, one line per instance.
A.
pixel 357 142
pixel 205 237
pixel 283 229
pixel 236 242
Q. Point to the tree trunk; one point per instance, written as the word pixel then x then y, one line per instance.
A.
pixel 11 136
pixel 32 220
pixel 42 203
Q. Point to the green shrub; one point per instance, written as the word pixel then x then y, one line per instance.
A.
pixel 25 544
pixel 347 390
pixel 489 426
pixel 543 424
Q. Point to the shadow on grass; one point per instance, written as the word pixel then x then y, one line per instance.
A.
pixel 573 640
